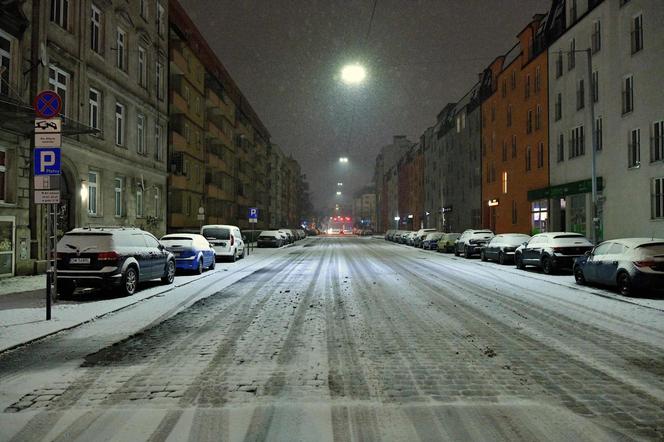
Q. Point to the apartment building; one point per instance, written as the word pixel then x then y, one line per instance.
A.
pixel 410 178
pixel 624 91
pixel 385 161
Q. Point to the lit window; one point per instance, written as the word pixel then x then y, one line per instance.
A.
pixel 504 182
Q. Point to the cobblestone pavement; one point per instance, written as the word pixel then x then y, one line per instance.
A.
pixel 359 339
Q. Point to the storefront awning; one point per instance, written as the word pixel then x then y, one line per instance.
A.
pixel 19 118
pixel 562 190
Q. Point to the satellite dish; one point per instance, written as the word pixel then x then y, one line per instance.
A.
pixel 43 55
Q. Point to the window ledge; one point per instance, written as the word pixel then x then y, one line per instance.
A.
pixel 638 166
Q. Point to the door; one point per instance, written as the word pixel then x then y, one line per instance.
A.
pixel 493 247
pixel 7 246
pixel 156 257
pixel 531 252
pixel 590 270
pixel 239 241
pixel 608 266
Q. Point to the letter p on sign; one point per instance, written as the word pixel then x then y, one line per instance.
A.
pixel 47 161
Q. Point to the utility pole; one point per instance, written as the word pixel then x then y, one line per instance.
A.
pixel 593 147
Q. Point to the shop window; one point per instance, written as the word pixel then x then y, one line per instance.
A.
pixel 577 213
pixel 7 240
pixel 540 216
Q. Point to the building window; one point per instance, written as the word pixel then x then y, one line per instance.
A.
pixel 513 80
pixel 559 64
pixel 658 198
pixel 540 155
pixel 540 215
pixel 59 82
pixel 580 95
pixel 634 148
pixel 572 11
pixel 139 202
pixel 596 37
pixel 576 144
pixel 657 142
pixel 95 104
pixel 595 86
pixel 158 143
pixel 159 72
pixel 529 121
pixel 514 217
pixel 187 133
pixel 571 55
pixel 197 109
pixel 93 179
pixel 504 156
pixel 142 68
pixel 3 174
pixel 513 146
pixel 527 86
pixel 538 117
pixel 509 115
pixel 5 62
pixel 628 95
pixel 493 113
pixel 157 203
pixel 60 13
pixel 119 124
pixel 538 79
pixel 558 111
pixel 140 134
pixel 637 34
pixel 161 20
pixel 598 134
pixel 528 158
pixel 504 181
pixel 120 40
pixel 186 95
pixel 504 88
pixel 144 9
pixel 95 29
pixel 561 148
pixel 118 197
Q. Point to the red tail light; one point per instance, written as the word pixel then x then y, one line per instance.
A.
pixel 60 256
pixel 108 256
pixel 232 240
pixel 650 263
pixel 558 250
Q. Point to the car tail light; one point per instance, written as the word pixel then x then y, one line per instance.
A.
pixel 108 256
pixel 649 263
pixel 232 240
pixel 558 250
pixel 60 256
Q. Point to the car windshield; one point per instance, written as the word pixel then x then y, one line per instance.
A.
pixel 216 233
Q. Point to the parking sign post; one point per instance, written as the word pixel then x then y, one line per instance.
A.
pixel 253 219
pixel 47 169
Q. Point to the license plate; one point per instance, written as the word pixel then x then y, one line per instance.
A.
pixel 176 253
pixel 79 260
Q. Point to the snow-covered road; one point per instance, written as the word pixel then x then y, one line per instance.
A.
pixel 350 339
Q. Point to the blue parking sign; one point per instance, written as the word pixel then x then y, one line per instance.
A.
pixel 253 213
pixel 47 161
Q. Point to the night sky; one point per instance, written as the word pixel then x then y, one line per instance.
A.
pixel 286 56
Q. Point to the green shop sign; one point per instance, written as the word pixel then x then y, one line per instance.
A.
pixel 562 190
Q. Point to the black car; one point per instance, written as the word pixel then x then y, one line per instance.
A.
pixel 552 251
pixel 111 257
pixel 501 247
pixel 629 264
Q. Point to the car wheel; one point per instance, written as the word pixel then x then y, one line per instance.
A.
pixel 214 263
pixel 547 265
pixel 456 251
pixel 578 275
pixel 170 273
pixel 129 281
pixel 244 252
pixel 233 257
pixel 199 267
pixel 501 258
pixel 66 288
pixel 518 259
pixel 624 284
pixel 466 253
pixel 483 255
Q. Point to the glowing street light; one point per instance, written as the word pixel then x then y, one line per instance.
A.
pixel 340 184
pixel 353 74
pixel 338 193
pixel 343 159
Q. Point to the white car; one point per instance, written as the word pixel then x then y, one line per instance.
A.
pixel 226 240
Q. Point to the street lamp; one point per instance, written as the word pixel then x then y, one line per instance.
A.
pixel 352 74
pixel 343 159
pixel 338 193
pixel 340 184
pixel 396 221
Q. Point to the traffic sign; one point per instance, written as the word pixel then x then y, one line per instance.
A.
pixel 47 197
pixel 253 220
pixel 47 132
pixel 47 161
pixel 253 213
pixel 47 104
pixel 47 182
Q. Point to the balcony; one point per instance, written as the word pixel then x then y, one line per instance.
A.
pixel 178 64
pixel 178 103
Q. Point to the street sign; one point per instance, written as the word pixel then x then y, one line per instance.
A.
pixel 253 220
pixel 253 213
pixel 47 197
pixel 47 182
pixel 47 132
pixel 47 161
pixel 201 217
pixel 47 104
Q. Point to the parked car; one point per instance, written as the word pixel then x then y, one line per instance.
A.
pixel 552 251
pixel 191 251
pixel 302 233
pixel 410 238
pixel 631 265
pixel 419 236
pixel 270 238
pixel 111 257
pixel 289 235
pixel 226 240
pixel 501 247
pixel 389 235
pixel 430 242
pixel 471 241
pixel 447 242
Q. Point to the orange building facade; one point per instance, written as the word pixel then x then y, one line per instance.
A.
pixel 515 151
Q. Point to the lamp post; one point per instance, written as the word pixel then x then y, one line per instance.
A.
pixel 396 221
pixel 593 147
